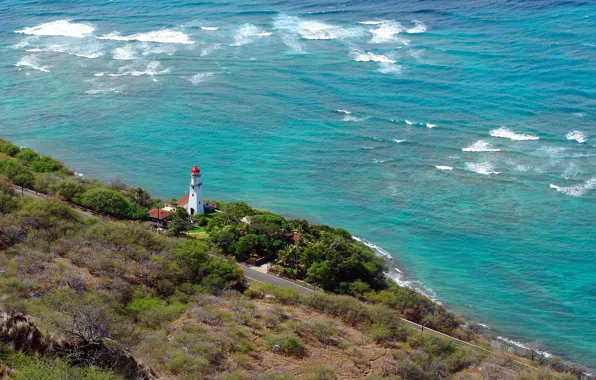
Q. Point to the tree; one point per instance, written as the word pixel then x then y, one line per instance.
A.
pixel 105 200
pixel 68 189
pixel 27 155
pixel 224 239
pixel 45 164
pixel 180 222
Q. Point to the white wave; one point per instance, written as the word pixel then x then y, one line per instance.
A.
pixel 396 275
pixel 31 61
pixel 360 56
pixel 25 42
pixel 377 161
pixel 90 51
pixel 247 34
pixel 409 122
pixel 375 22
pixel 505 132
pixel 293 43
pixel 524 346
pixel 387 32
pixel 485 168
pixel 200 78
pixel 101 91
pixel 313 30
pixel 480 146
pixel 441 167
pixel 125 52
pixel 579 114
pixel 343 111
pixel 577 190
pixel 59 28
pixel 429 125
pixel 209 28
pixel 577 136
pixel 353 118
pixel 151 48
pixel 399 141
pixel 164 36
pixel 418 27
pixel 386 64
pixel 151 70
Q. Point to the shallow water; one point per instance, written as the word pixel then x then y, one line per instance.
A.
pixel 347 113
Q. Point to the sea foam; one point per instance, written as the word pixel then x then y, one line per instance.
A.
pixel 126 52
pixel 577 136
pixel 313 30
pixel 85 51
pixel 386 33
pixel 209 28
pixel 577 190
pixel 397 275
pixel 480 146
pixel 485 168
pixel 59 28
pixel 248 33
pixel 418 27
pixel 386 64
pixel 164 36
pixel 505 132
pixel 31 61
pixel 446 168
pixel 152 69
pixel 200 78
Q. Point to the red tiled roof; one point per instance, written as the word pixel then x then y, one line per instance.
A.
pixel 183 201
pixel 158 214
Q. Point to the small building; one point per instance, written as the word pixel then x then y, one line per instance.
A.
pixel 159 215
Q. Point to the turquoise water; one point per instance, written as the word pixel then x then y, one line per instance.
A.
pixel 506 237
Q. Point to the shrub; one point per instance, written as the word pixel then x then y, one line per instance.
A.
pixel 106 201
pixel 324 331
pixel 9 148
pixel 288 344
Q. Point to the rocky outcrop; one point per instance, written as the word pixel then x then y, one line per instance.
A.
pixel 20 333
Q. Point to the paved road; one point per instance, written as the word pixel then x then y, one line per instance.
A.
pixel 255 275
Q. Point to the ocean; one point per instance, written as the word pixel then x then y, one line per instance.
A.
pixel 459 137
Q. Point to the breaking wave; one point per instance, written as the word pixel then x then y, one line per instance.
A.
pixel 32 62
pixel 59 28
pixel 152 69
pixel 521 345
pixel 429 125
pixel 397 275
pixel 446 168
pixel 386 64
pixel 577 190
pixel 209 28
pixel 164 36
pixel 200 78
pixel 247 34
pixel 418 27
pixel 505 132
pixel 387 32
pixel 126 52
pixel 480 146
pixel 313 30
pixel 90 52
pixel 577 136
pixel 485 167
pixel 102 91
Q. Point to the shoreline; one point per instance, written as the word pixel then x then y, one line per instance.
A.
pixel 396 275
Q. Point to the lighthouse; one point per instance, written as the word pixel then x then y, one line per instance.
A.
pixel 195 195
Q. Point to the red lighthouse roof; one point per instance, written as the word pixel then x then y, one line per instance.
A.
pixel 195 170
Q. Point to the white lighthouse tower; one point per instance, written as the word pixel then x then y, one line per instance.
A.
pixel 195 195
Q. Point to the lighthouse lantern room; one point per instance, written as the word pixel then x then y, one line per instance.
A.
pixel 195 196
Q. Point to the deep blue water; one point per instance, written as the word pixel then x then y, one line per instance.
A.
pixel 255 103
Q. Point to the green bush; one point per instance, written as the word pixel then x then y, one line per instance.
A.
pixel 9 148
pixel 105 201
pixel 288 344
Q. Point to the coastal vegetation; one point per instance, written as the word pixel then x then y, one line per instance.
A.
pixel 182 306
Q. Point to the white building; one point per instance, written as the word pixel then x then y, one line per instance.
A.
pixel 195 194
